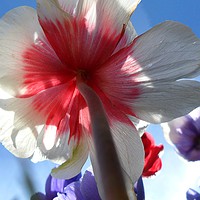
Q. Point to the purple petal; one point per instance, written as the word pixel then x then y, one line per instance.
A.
pixel 61 197
pixel 89 186
pixel 139 189
pixel 192 195
pixel 185 135
pixel 53 185
pixel 73 191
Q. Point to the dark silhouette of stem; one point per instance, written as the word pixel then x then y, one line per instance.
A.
pixel 107 159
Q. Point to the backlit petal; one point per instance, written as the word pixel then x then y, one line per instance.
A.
pixel 167 52
pixel 107 11
pixel 165 101
pixel 54 146
pixel 28 63
pixel 130 149
pixel 128 6
pixel 124 8
pixel 143 74
pixel 128 36
pixel 93 27
pixel 63 123
pixel 17 134
pixel 46 123
pixel 74 165
pixel 32 71
pixel 68 6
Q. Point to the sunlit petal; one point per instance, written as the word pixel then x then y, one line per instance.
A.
pixel 93 27
pixel 130 149
pixel 145 74
pixel 15 128
pixel 74 165
pixel 167 52
pixel 166 101
pixel 28 65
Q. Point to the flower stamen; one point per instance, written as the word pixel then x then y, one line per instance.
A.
pixel 83 75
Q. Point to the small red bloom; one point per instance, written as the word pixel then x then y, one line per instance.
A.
pixel 152 161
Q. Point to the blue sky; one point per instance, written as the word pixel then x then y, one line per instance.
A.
pixel 176 175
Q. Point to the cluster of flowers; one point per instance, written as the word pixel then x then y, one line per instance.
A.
pixel 85 188
pixel 64 44
pixel 183 133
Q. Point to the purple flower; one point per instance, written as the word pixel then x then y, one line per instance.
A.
pixel 139 189
pixel 192 195
pixel 77 188
pixel 184 134
pixel 55 186
pixel 84 189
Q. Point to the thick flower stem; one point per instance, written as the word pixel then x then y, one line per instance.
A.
pixel 107 159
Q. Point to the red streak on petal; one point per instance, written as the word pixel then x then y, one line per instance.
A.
pixel 61 107
pixel 117 80
pixel 53 89
pixel 42 69
pixel 77 46
pixel 79 118
pixel 114 112
pixel 50 70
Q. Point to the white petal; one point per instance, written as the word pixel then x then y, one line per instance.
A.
pixel 13 43
pixel 103 17
pixel 165 101
pixel 26 123
pixel 17 134
pixel 144 74
pixel 109 11
pixel 52 146
pixel 50 10
pixel 75 163
pixel 169 51
pixel 69 6
pixel 20 44
pixel 128 36
pixel 130 149
pixel 195 113
pixel 127 6
pixel 140 125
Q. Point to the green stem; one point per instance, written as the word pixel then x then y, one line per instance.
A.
pixel 113 184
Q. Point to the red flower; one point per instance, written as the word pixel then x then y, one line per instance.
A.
pixel 152 161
